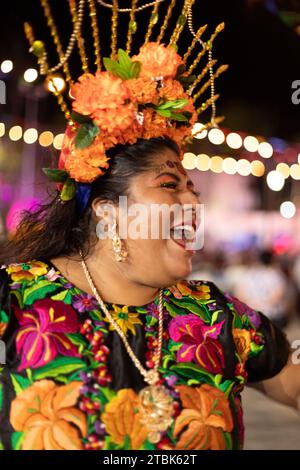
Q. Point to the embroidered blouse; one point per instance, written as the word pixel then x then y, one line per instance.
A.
pixel 68 382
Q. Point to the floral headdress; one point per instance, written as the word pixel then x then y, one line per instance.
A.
pixel 129 97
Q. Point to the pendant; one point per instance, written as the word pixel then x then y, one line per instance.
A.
pixel 157 407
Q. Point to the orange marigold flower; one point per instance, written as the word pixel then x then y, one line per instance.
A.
pixel 158 60
pixel 100 91
pixel 86 165
pixel 172 90
pixel 143 90
pixel 154 124
pixel 46 413
pixel 118 118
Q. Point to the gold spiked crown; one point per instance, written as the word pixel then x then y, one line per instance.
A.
pixel 125 97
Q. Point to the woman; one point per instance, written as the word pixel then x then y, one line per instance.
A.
pixel 69 381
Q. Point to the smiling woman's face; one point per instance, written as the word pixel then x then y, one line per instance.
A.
pixel 159 260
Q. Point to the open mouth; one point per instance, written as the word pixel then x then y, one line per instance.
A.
pixel 184 235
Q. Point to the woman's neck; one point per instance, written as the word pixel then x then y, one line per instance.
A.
pixel 112 284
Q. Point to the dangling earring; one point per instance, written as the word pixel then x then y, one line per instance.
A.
pixel 120 254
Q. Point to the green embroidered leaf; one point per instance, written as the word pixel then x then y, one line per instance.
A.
pixel 190 370
pixel 38 291
pixel 135 69
pixel 3 317
pixel 173 311
pixel 214 317
pixel 86 135
pixel 78 340
pixel 64 295
pixel 106 395
pixel 218 379
pixel 193 307
pixel 55 175
pixel 226 387
pixel 69 190
pixel 16 439
pixel 228 440
pixel 18 296
pixel 19 382
pixel 255 348
pixel 1 446
pixel 59 366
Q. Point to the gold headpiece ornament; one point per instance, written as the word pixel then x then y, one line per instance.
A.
pixel 118 100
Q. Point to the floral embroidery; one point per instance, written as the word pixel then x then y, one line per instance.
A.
pixel 192 289
pixel 242 309
pixel 84 303
pixel 242 339
pixel 125 319
pixel 42 334
pixel 122 419
pixel 205 417
pixel 65 398
pixel 24 271
pixel 200 342
pixel 47 415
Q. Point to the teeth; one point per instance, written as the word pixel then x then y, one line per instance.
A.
pixel 184 231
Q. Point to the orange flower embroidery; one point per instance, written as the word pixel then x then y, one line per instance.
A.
pixel 158 60
pixel 205 416
pixel 122 419
pixel 24 271
pixel 2 328
pixel 182 288
pixel 46 414
pixel 242 340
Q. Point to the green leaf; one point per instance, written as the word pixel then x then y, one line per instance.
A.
pixel 38 291
pixel 124 59
pixel 124 68
pixel 58 176
pixel 1 446
pixel 163 112
pixel 19 382
pixel 179 117
pixel 86 135
pixel 135 69
pixel 16 439
pixel 68 190
pixel 173 104
pixel 61 365
pixel 76 117
pixel 110 65
pixel 64 295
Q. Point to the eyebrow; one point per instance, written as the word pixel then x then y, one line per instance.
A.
pixel 173 175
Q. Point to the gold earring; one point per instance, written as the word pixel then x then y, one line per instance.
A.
pixel 120 254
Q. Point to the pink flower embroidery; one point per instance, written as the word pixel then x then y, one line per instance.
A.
pixel 200 342
pixel 42 335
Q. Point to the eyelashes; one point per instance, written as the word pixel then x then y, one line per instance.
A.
pixel 174 185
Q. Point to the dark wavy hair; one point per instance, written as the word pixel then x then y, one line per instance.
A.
pixel 58 228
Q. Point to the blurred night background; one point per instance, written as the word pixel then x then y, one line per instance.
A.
pixel 248 170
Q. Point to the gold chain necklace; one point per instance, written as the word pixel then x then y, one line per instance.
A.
pixel 156 403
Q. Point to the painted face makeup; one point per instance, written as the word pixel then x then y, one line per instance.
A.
pixel 170 164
